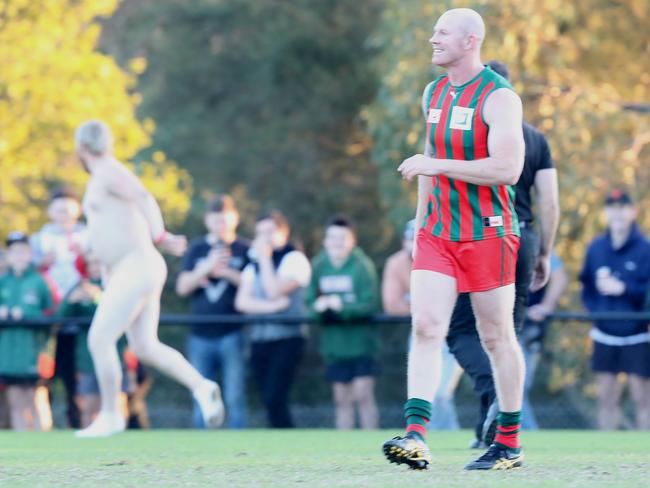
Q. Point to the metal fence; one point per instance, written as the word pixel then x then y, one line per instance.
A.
pixel 563 395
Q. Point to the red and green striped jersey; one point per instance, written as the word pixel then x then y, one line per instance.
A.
pixel 456 210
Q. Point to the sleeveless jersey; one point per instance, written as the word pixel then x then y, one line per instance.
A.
pixel 456 210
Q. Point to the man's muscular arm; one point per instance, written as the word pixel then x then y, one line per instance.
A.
pixel 424 188
pixel 122 183
pixel 503 114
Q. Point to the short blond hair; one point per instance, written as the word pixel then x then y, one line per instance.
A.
pixel 95 137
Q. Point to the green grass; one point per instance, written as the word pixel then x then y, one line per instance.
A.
pixel 311 458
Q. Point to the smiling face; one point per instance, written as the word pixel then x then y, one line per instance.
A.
pixel 457 34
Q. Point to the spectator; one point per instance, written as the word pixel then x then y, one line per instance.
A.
pixel 58 252
pixel 396 281
pixel 615 278
pixel 25 355
pixel 396 298
pixel 81 301
pixel 273 284
pixel 59 246
pixel 541 304
pixel 211 272
pixel 343 294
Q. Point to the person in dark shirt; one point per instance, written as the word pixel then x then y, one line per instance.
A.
pixel 210 276
pixel 533 269
pixel 615 278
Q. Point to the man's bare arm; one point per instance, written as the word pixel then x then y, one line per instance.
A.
pixel 503 114
pixel 548 201
pixel 125 185
pixel 424 189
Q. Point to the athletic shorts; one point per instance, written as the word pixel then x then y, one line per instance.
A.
pixel 632 359
pixel 476 265
pixel 345 370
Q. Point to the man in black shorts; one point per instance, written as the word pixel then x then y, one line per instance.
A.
pixel 533 269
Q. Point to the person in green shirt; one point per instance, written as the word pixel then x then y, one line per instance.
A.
pixel 81 301
pixel 343 294
pixel 25 353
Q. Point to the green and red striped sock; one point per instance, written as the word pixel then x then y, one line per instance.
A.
pixel 508 427
pixel 417 413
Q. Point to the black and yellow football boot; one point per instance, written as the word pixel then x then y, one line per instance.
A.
pixel 497 458
pixel 408 449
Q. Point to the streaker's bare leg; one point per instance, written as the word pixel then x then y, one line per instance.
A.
pixel 143 340
pixel 122 301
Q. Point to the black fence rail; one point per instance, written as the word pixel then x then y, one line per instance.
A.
pixel 571 405
pixel 216 320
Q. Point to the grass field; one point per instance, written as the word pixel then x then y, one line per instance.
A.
pixel 311 458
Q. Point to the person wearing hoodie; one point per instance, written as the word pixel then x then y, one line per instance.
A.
pixel 342 295
pixel 615 278
pixel 26 357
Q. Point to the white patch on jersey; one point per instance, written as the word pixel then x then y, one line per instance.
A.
pixel 434 115
pixel 493 221
pixel 461 118
pixel 336 284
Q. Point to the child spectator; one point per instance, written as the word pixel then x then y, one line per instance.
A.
pixel 25 353
pixel 58 252
pixel 343 294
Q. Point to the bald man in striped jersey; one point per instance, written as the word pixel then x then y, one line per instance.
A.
pixel 468 234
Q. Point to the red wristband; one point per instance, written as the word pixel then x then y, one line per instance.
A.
pixel 158 240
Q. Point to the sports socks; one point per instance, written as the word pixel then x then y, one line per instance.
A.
pixel 508 427
pixel 417 413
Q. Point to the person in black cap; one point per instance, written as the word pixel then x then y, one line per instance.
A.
pixel 25 353
pixel 615 278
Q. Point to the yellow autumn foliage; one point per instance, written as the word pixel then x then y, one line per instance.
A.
pixel 52 78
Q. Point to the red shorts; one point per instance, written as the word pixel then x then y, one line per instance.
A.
pixel 476 265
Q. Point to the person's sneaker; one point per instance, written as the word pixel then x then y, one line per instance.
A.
pixel 208 396
pixel 497 458
pixel 408 450
pixel 104 425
